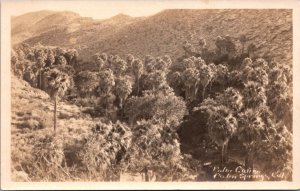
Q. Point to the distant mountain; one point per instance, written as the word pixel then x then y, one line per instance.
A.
pixel 34 24
pixel 26 21
pixel 160 34
pixel 118 19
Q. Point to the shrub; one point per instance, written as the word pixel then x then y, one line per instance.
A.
pixel 44 118
pixel 103 152
pixel 35 120
pixel 31 124
pixel 20 113
pixel 87 101
pixel 156 147
pixel 48 158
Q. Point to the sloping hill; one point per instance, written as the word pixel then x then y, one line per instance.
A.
pixel 26 21
pixel 165 32
pixel 43 23
pixel 33 105
pixel 32 119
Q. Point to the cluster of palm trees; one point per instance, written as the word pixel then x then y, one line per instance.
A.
pixel 251 100
pixel 46 68
pixel 245 107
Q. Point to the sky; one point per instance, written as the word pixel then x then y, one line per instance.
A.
pixel 101 9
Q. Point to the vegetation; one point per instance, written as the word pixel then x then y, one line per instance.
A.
pixel 140 108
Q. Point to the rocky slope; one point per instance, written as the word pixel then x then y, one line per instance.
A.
pixel 163 33
pixel 32 118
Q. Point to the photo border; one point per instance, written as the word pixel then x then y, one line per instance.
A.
pixel 6 183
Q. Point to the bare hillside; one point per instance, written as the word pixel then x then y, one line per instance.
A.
pixel 163 33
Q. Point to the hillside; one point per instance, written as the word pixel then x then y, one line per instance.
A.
pixel 32 118
pixel 43 22
pixel 163 33
pixel 25 22
pixel 64 28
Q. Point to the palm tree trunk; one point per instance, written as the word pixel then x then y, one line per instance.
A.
pixel 138 86
pixel 106 105
pixel 226 153
pixel 55 100
pixel 196 90
pixel 203 93
pixel 131 121
pixel 40 79
pixel 210 84
pixel 243 46
pixel 15 69
pixel 146 174
pixel 121 104
pixel 247 161
pixel 165 119
pixel 249 164
pixel 222 155
pixel 186 94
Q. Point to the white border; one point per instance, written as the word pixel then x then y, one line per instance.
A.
pixel 6 183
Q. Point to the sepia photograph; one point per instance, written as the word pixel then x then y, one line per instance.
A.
pixel 148 91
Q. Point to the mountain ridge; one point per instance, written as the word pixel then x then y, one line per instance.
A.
pixel 165 32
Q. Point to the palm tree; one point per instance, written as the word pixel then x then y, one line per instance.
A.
pixel 232 99
pixel 86 82
pixel 155 80
pixel 251 49
pixel 221 127
pixel 107 82
pixel 251 131
pixel 123 89
pixel 57 84
pixel 14 61
pixel 243 40
pixel 98 59
pixel 222 123
pixel 40 64
pixel 120 67
pixel 137 71
pixel 214 70
pixel 221 73
pixel 129 59
pixel 191 79
pixel 206 75
pixel 202 43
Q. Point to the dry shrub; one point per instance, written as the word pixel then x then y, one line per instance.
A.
pixel 102 155
pixel 35 119
pixel 48 150
pixel 31 124
pixel 87 101
pixel 45 118
pixel 19 176
pixel 48 158
pixel 21 157
pixel 72 145
pixel 20 113
pixel 64 115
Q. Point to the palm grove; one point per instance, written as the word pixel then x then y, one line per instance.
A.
pixel 146 104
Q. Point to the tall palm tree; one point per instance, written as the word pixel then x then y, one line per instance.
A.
pixel 221 127
pixel 40 64
pixel 137 71
pixel 106 84
pixel 123 89
pixel 251 131
pixel 57 84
